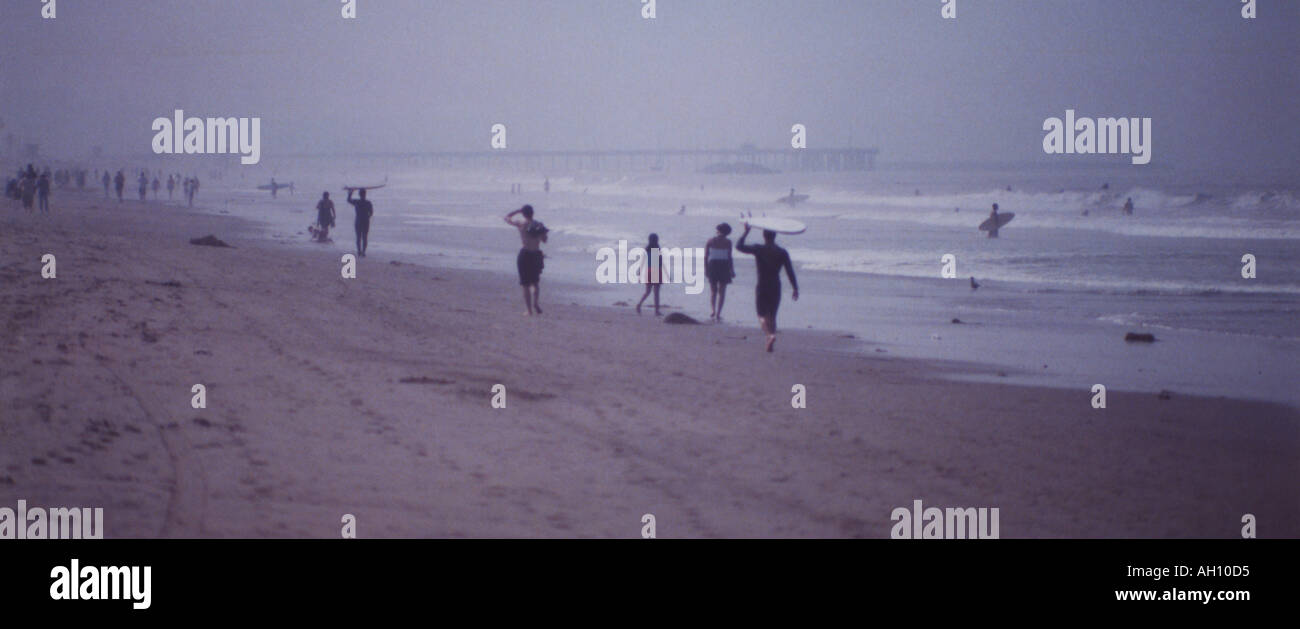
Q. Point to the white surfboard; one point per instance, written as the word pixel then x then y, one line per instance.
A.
pixel 778 225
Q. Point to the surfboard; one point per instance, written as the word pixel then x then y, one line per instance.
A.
pixel 374 187
pixel 791 199
pixel 778 225
pixel 1003 219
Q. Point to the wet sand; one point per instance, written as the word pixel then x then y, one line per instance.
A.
pixel 372 396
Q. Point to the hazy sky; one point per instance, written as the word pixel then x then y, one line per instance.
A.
pixel 413 75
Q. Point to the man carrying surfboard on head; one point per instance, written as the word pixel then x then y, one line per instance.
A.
pixel 530 259
pixel 767 295
pixel 362 223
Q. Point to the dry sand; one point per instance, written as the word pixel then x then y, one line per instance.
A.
pixel 371 396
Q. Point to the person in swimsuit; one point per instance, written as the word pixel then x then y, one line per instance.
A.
pixel 362 222
pixel 767 296
pixel 324 216
pixel 530 259
pixel 719 269
pixel 654 273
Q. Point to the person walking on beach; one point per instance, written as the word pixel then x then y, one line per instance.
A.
pixel 993 216
pixel 767 295
pixel 43 192
pixel 530 259
pixel 106 180
pixel 654 273
pixel 28 186
pixel 171 187
pixel 719 268
pixel 155 185
pixel 324 216
pixel 144 184
pixel 362 222
pixel 119 184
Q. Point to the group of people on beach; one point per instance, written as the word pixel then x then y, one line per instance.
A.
pixel 325 218
pixel 719 268
pixel 145 183
pixel 29 188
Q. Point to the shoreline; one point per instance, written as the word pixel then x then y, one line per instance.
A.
pixel 372 396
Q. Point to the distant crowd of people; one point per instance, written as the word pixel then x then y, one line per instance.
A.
pixel 32 188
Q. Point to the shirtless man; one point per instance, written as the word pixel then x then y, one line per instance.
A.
pixel 529 261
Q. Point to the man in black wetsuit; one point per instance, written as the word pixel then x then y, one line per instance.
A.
pixel 767 296
pixel 362 224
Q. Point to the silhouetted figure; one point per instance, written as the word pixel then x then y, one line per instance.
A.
pixel 1128 206
pixel 362 222
pixel 324 216
pixel 719 268
pixel 767 295
pixel 155 185
pixel 43 192
pixel 530 260
pixel 119 184
pixel 171 187
pixel 654 273
pixel 993 216
pixel 144 184
pixel 106 180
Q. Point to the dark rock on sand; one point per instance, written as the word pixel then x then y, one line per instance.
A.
pixel 209 241
pixel 677 317
pixel 1140 337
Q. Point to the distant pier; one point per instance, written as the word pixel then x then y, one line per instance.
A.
pixel 684 160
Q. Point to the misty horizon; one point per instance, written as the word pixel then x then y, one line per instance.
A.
pixel 408 76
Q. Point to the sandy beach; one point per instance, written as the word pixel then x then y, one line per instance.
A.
pixel 371 396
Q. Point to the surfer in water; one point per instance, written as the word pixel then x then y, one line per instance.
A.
pixel 1128 206
pixel 993 216
pixel 324 217
pixel 362 223
pixel 530 260
pixel 719 269
pixel 767 296
pixel 654 273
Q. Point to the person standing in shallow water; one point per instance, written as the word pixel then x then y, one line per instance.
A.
pixel 767 295
pixel 362 222
pixel 530 260
pixel 325 216
pixel 993 216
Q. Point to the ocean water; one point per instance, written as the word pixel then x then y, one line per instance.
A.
pixel 1069 276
